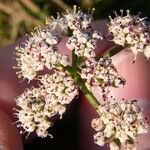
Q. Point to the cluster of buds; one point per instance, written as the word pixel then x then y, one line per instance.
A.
pixel 101 73
pixel 38 105
pixel 131 31
pixel 119 124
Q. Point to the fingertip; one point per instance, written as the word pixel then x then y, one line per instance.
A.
pixel 9 82
pixel 137 76
pixel 10 139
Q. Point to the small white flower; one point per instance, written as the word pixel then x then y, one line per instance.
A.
pixel 41 133
pixel 114 146
pixel 142 128
pixel 123 137
pixel 129 117
pixel 97 124
pixel 60 109
pixel 109 130
pixel 99 138
pixel 52 41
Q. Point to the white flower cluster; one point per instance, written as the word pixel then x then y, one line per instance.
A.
pixel 119 124
pixel 39 52
pixel 38 105
pixel 101 73
pixel 58 25
pixel 60 86
pixel 74 20
pixel 77 20
pixel 82 41
pixel 33 114
pixel 132 31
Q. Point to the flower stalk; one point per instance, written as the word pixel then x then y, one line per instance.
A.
pixel 73 72
pixel 113 51
pixel 79 81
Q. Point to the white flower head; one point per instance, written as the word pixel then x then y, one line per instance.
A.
pixel 84 39
pixel 119 121
pixel 101 73
pixel 84 43
pixel 38 52
pixel 132 31
pixel 30 113
pixel 76 19
pixel 60 86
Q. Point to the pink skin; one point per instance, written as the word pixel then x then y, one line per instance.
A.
pixel 11 88
pixel 10 139
pixel 137 77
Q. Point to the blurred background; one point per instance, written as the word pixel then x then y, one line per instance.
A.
pixel 18 17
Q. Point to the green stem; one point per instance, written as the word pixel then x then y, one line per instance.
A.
pixel 74 59
pixel 115 49
pixel 93 101
pixel 89 95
